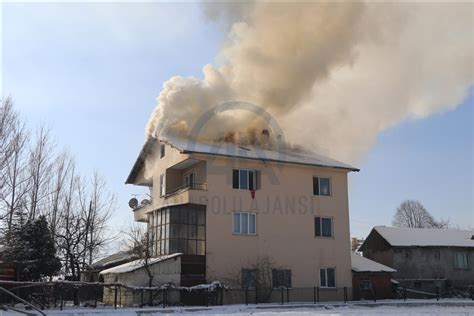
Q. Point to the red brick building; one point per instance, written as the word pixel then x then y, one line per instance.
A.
pixel 370 279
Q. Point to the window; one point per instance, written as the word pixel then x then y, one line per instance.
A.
pixel 327 277
pixel 461 260
pixel 321 186
pixel 244 179
pixel 162 185
pixel 179 229
pixel 162 150
pixel 244 223
pixel 249 277
pixel 189 179
pixel 323 226
pixel 281 278
pixel 364 285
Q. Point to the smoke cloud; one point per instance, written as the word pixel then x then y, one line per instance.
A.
pixel 334 75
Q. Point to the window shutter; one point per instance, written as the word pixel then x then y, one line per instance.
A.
pixel 315 186
pixel 251 180
pixel 317 226
pixel 235 179
pixel 257 180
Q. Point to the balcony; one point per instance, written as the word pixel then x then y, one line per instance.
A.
pixel 193 193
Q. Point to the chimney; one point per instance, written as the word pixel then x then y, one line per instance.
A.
pixel 265 138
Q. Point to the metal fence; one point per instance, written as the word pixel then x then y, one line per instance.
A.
pixel 58 295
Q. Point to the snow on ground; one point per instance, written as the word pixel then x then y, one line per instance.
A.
pixel 388 308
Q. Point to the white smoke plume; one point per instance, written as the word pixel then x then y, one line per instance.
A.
pixel 334 75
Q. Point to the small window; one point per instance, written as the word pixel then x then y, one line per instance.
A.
pixel 162 185
pixel 365 285
pixel 249 278
pixel 321 186
pixel 323 226
pixel 281 278
pixel 461 260
pixel 162 150
pixel 244 179
pixel 244 223
pixel 327 277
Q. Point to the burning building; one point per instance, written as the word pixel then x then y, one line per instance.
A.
pixel 226 207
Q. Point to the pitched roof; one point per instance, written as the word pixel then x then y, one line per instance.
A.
pixel 114 259
pixel 187 146
pixel 424 237
pixel 362 264
pixel 137 264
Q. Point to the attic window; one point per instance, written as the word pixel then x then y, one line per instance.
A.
pixel 162 150
pixel 472 237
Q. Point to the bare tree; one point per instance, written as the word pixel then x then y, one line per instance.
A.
pixel 140 243
pixel 14 180
pixel 413 214
pixel 40 165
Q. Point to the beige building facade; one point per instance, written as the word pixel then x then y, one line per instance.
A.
pixel 233 206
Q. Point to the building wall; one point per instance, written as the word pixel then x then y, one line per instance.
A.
pixel 168 271
pixel 432 263
pixel 285 208
pixel 381 285
pixel 284 233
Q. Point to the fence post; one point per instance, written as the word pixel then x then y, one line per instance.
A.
pixel 281 290
pixel 375 293
pixel 208 296
pixel 314 294
pixel 472 293
pixel 61 301
pixel 115 297
pixel 317 293
pixel 246 296
pixel 345 294
pixel 165 297
pixel 141 298
pixel 256 295
pixel 404 293
pixel 437 293
pixel 287 294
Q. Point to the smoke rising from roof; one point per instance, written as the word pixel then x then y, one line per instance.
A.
pixel 334 75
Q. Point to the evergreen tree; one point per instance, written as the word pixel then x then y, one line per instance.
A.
pixel 31 248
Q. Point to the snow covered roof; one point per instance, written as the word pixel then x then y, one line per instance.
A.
pixel 362 264
pixel 187 146
pixel 137 264
pixel 114 259
pixel 423 237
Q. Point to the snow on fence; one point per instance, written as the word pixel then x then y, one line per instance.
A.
pixel 59 294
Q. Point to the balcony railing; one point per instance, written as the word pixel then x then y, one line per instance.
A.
pixel 186 187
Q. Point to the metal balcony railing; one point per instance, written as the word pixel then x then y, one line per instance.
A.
pixel 186 187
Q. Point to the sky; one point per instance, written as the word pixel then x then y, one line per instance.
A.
pixel 92 72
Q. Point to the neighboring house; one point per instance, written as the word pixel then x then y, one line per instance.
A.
pixel 134 274
pixel 91 274
pixel 370 279
pixel 225 206
pixel 424 258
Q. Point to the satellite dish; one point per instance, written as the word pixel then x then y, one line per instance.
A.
pixel 133 203
pixel 145 202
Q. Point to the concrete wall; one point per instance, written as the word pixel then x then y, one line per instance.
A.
pixel 168 271
pixel 285 208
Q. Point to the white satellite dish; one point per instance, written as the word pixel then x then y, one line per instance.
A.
pixel 133 203
pixel 145 202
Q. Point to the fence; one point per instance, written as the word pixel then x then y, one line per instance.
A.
pixel 62 294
